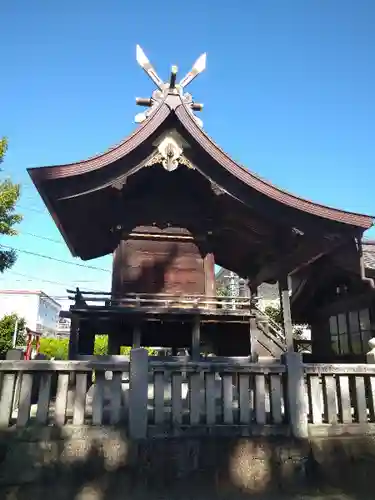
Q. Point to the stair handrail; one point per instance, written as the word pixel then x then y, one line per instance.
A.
pixel 277 330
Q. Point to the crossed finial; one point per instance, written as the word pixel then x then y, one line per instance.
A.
pixel 171 86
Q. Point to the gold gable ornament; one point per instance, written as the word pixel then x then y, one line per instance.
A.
pixel 169 154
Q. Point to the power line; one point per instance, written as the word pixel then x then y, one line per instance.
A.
pixel 48 281
pixel 41 237
pixel 32 209
pixel 37 279
pixel 48 257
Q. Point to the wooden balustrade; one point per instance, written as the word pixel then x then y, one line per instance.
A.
pixel 217 393
pixel 161 300
pixel 177 395
pixel 340 398
pixel 61 392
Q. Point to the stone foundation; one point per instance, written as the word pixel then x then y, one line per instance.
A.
pixel 102 464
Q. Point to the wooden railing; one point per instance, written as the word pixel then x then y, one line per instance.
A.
pixel 160 300
pixel 340 398
pixel 217 393
pixel 61 392
pixel 173 395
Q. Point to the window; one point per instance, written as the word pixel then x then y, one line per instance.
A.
pixel 350 332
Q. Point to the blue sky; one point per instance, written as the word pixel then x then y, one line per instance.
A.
pixel 288 92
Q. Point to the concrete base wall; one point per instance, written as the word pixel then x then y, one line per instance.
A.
pixel 102 464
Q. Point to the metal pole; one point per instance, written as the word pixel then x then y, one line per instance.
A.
pixel 14 340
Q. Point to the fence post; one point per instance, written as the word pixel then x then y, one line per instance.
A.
pixel 138 393
pixel 370 356
pixel 15 355
pixel 296 394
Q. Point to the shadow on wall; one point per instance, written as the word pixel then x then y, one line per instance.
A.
pixel 151 277
pixel 102 464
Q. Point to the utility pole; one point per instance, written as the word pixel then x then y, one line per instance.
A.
pixel 14 340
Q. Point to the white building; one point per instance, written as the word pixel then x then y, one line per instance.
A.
pixel 63 326
pixel 267 294
pixel 41 312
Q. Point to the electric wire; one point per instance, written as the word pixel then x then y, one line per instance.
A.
pixel 48 257
pixel 52 282
pixel 39 237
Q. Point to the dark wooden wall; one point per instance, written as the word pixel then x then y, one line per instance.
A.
pixel 154 262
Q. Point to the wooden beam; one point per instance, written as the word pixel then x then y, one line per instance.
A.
pixel 293 262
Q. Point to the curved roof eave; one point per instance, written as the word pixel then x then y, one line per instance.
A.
pixel 265 187
pixel 140 134
pixel 174 104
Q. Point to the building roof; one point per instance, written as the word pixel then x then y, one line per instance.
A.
pixel 242 210
pixel 174 107
pixel 368 248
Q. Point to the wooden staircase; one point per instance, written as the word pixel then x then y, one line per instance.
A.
pixel 270 337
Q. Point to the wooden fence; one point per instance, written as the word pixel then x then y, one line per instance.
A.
pixel 340 398
pixel 175 396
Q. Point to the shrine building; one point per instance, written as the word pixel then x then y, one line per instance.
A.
pixel 170 205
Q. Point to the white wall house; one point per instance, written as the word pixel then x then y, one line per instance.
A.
pixel 40 311
pixel 63 326
pixel 268 294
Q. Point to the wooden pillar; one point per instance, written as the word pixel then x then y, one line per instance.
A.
pixel 86 339
pixel 253 328
pixel 209 274
pixel 138 394
pixel 287 316
pixel 113 344
pixel 137 336
pixel 73 337
pixel 296 395
pixel 196 339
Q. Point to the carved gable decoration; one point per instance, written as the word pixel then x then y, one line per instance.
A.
pixel 169 152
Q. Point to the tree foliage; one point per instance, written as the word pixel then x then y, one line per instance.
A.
pixel 59 348
pixel 54 348
pixel 223 290
pixel 276 314
pixel 3 148
pixel 9 195
pixel 7 326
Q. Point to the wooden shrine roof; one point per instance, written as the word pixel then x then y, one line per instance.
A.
pixel 81 197
pixel 173 105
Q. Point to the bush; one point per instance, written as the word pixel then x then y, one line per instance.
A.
pixel 54 348
pixel 59 348
pixel 101 345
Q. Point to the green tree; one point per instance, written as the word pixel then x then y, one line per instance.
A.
pixel 222 290
pixel 3 148
pixel 276 314
pixel 7 326
pixel 9 195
